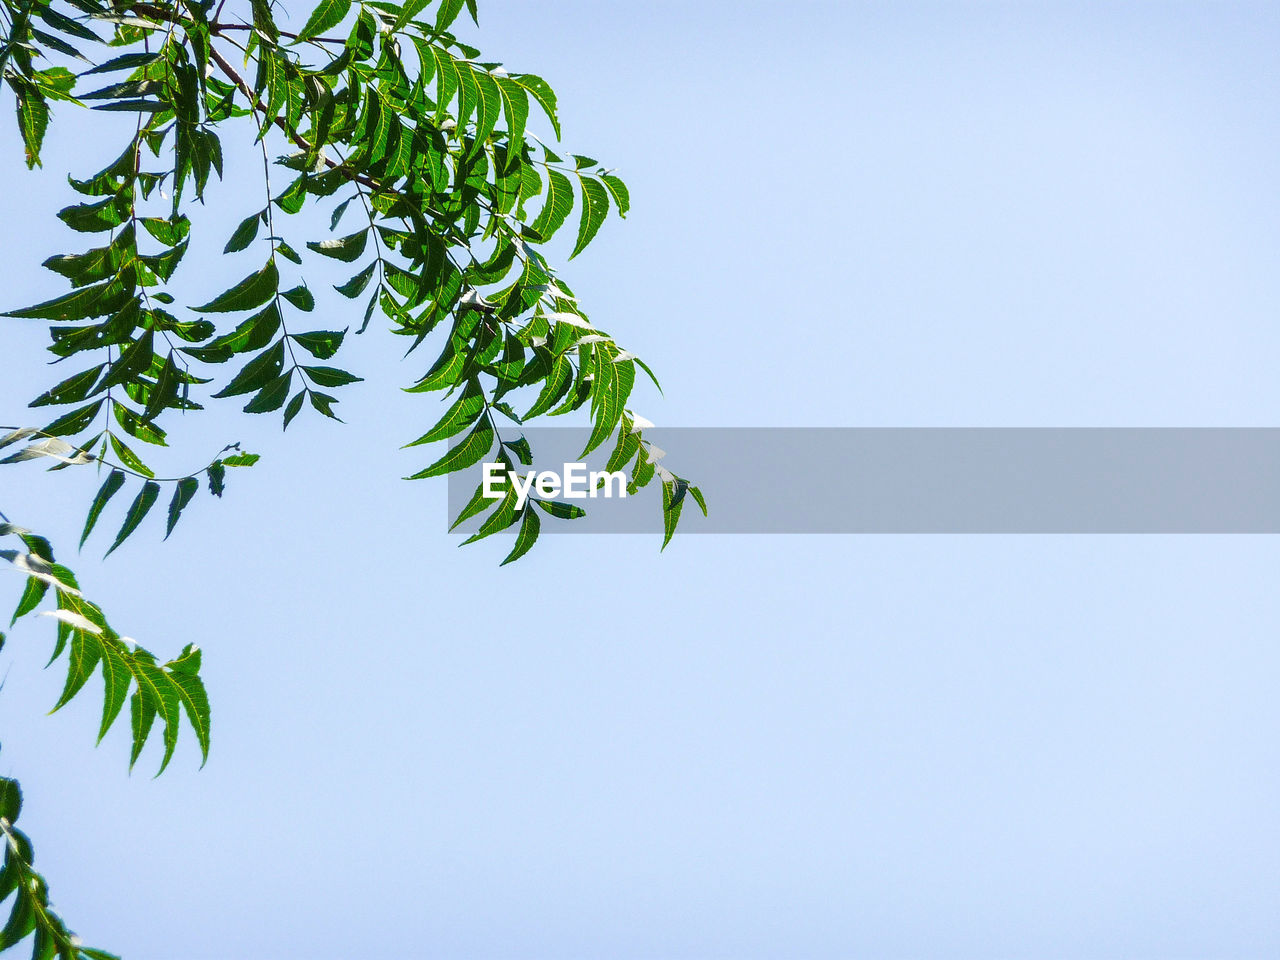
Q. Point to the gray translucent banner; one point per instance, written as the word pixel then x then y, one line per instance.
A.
pixel 926 480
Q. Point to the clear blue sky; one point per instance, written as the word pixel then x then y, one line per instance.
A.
pixel 971 214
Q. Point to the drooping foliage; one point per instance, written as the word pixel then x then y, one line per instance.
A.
pixel 440 202
pixel 168 692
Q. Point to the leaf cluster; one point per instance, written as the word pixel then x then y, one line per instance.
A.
pixel 394 122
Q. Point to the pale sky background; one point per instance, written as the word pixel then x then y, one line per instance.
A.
pixel 845 214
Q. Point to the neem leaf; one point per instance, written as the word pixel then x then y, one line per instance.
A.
pixel 253 291
pixel 182 495
pixel 321 344
pixel 470 451
pixel 114 481
pixel 300 297
pixel 138 510
pixel 327 14
pixel 331 376
pixel 244 234
pixel 458 417
pixel 346 248
pixel 595 207
pixel 529 530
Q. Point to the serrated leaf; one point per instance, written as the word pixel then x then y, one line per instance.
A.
pixel 555 208
pixel 138 511
pixel 560 509
pixel 541 91
pixel 300 297
pixel 321 344
pixel 129 458
pixel 346 249
pixel 458 417
pixel 272 396
pixel 467 453
pixel 263 368
pixel 182 494
pixel 244 234
pixel 253 291
pixel 71 390
pixel 595 207
pixel 326 15
pixel 530 527
pixel 355 286
pixel 621 195
pixel 114 481
pixel 331 376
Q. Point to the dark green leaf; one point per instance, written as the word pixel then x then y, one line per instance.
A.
pixel 244 234
pixel 253 291
pixel 182 494
pixel 321 344
pixel 114 481
pixel 346 248
pixel 138 510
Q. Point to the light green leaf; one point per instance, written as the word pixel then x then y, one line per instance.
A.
pixel 595 207
pixel 327 14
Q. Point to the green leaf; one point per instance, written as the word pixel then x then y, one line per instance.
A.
pixel 321 344
pixel 33 120
pixel 515 104
pixel 327 14
pixel 541 91
pixel 346 249
pixel 555 208
pixel 467 453
pixel 300 297
pixel 216 473
pixel 71 390
pixel 553 389
pixel 595 207
pixel 672 502
pixel 331 376
pixel 618 190
pixel 182 494
pixel 697 495
pixel 560 509
pixel 458 417
pixel 294 407
pixel 355 286
pixel 129 458
pixel 253 291
pixel 244 234
pixel 95 217
pixel 138 510
pixel 530 527
pixel 263 368
pixel 272 396
pixel 32 594
pixel 114 481
pixel 74 422
pixel 94 301
pixel 129 61
pixel 190 689
pixel 134 360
